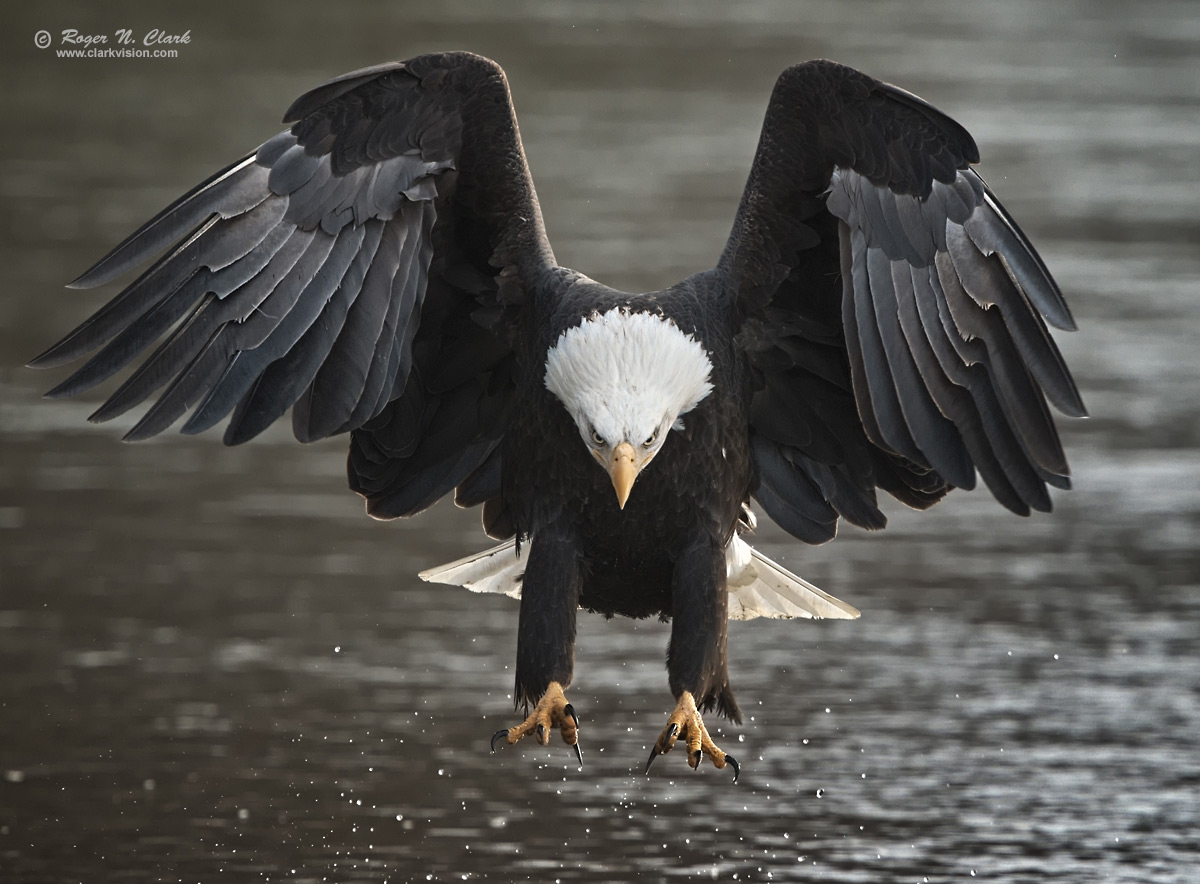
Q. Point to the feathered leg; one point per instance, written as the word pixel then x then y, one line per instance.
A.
pixel 696 659
pixel 546 642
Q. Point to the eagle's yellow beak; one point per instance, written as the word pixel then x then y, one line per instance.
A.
pixel 623 469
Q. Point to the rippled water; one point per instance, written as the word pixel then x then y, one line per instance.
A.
pixel 213 667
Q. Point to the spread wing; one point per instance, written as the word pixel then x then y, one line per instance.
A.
pixel 895 313
pixel 354 266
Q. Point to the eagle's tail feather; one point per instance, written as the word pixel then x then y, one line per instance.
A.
pixel 758 587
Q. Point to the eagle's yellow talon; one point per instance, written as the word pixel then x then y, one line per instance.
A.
pixel 552 711
pixel 686 720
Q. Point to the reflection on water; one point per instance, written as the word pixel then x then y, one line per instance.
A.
pixel 213 665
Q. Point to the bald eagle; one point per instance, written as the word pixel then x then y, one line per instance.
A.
pixel 875 321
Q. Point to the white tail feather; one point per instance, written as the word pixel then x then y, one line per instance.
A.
pixel 758 587
pixel 498 569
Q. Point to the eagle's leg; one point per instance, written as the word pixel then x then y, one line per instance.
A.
pixel 546 642
pixel 696 659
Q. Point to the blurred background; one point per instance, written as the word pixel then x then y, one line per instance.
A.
pixel 212 663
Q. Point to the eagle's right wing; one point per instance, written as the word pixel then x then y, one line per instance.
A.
pixel 353 266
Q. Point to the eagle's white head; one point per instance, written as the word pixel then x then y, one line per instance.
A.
pixel 626 378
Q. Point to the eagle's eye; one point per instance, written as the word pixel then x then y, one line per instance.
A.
pixel 597 438
pixel 651 439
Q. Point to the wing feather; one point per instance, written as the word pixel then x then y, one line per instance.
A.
pixel 292 378
pixel 985 278
pixel 955 387
pixel 982 337
pixel 881 394
pixel 190 340
pixel 399 325
pixel 994 232
pixel 210 249
pixel 303 275
pixel 943 304
pixel 276 327
pixel 234 190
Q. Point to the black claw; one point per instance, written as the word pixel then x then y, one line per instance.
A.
pixel 697 755
pixel 672 730
pixel 541 732
pixel 653 755
pixel 737 768
pixel 496 736
pixel 570 710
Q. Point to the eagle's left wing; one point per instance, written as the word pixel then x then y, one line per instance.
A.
pixel 893 309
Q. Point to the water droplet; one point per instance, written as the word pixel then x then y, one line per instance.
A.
pixel 820 792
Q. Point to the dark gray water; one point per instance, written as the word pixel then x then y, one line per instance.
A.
pixel 214 667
